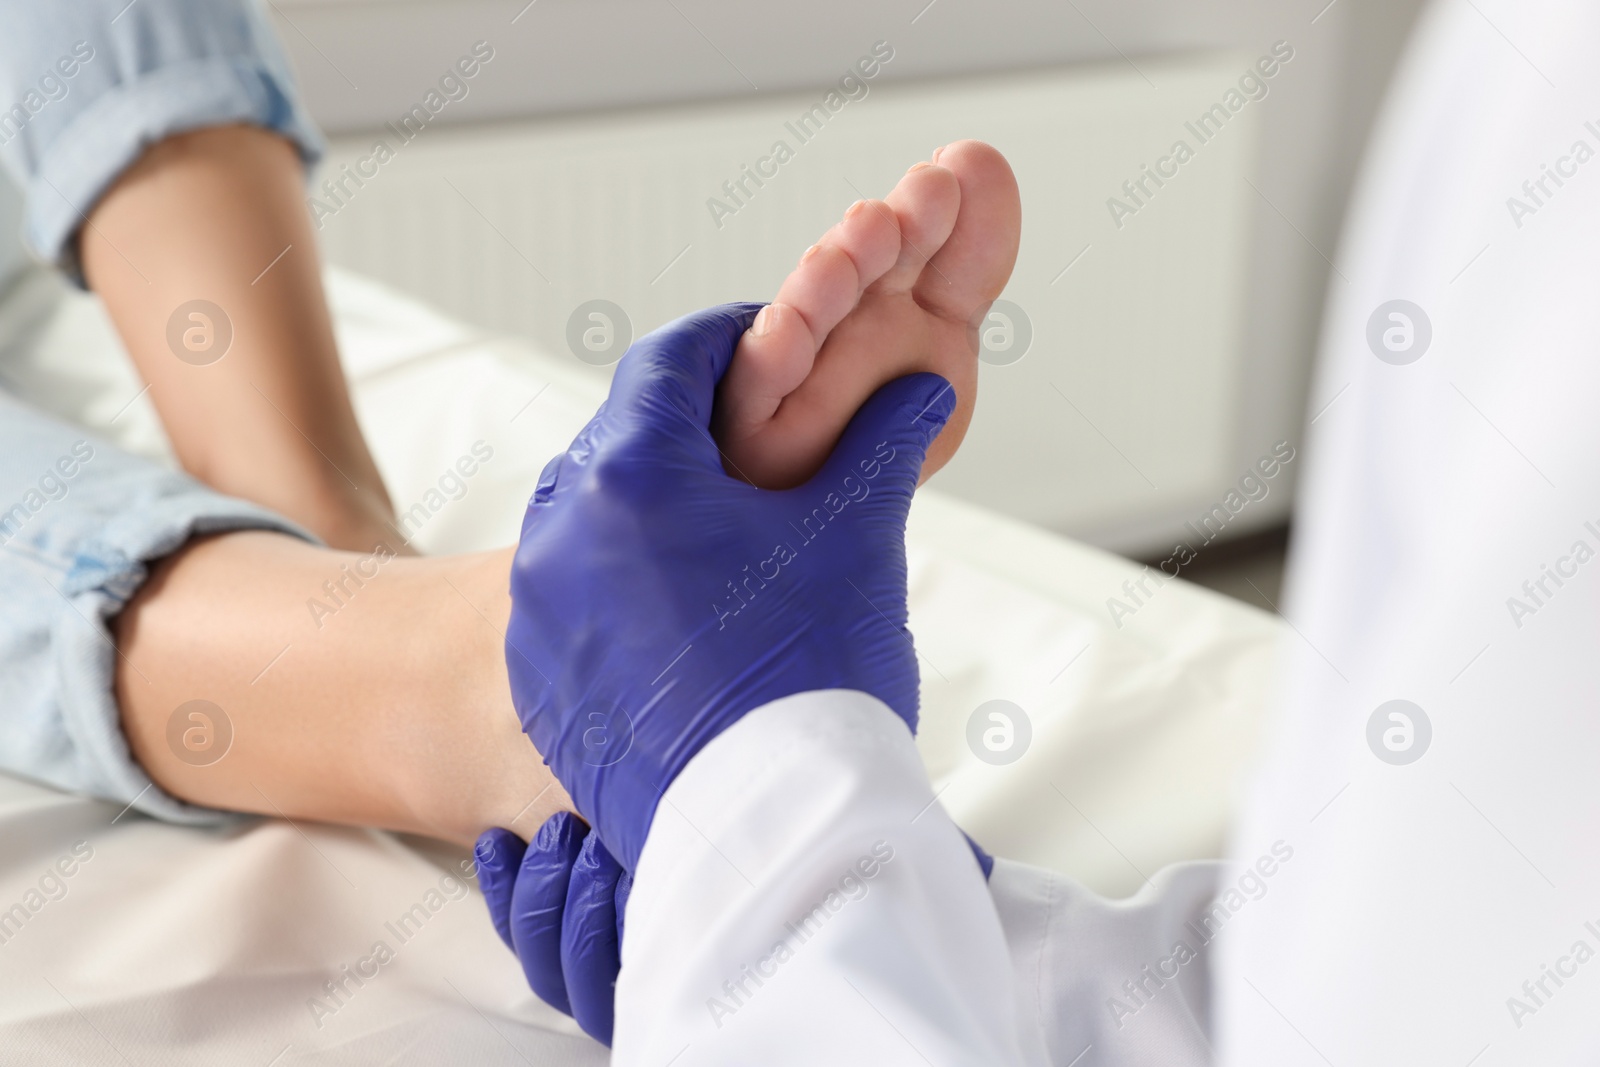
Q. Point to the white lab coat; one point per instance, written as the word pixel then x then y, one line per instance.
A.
pixel 803 899
pixel 1429 900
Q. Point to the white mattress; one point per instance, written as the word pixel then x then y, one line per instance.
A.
pixel 182 946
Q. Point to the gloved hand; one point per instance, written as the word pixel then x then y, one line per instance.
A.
pixel 656 600
pixel 559 906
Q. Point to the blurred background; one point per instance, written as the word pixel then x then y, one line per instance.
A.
pixel 590 180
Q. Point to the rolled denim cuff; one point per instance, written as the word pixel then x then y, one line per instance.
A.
pixel 106 571
pixel 103 139
pixel 81 522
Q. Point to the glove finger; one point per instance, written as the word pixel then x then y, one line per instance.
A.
pixel 887 439
pixel 589 956
pixel 669 378
pixel 499 854
pixel 538 905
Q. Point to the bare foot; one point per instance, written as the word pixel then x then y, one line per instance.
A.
pixel 899 285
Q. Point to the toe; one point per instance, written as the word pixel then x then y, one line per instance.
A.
pixel 773 358
pixel 971 266
pixel 778 350
pixel 926 203
pixel 822 289
pixel 833 273
pixel 870 234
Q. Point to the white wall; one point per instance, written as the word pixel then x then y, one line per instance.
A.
pixel 364 61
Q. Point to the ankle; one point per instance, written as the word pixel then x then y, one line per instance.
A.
pixel 479 770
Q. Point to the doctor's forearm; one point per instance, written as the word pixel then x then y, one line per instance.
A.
pixel 800 869
pixel 218 215
pixel 359 688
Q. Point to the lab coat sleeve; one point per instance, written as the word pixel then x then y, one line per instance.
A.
pixel 802 898
pixel 1112 983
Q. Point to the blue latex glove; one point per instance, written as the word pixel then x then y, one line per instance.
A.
pixel 656 600
pixel 559 904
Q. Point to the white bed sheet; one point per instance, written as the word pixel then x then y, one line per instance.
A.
pixel 180 946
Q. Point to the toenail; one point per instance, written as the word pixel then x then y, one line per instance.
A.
pixel 763 323
pixel 855 209
pixel 809 253
pixel 918 166
pixel 937 151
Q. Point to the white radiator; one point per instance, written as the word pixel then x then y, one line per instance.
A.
pixel 1119 422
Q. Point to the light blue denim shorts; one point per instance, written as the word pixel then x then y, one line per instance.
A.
pixel 80 524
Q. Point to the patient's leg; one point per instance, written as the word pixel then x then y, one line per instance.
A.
pixel 219 214
pixel 391 710
pixel 900 285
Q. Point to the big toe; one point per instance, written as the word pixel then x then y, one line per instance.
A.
pixel 970 269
